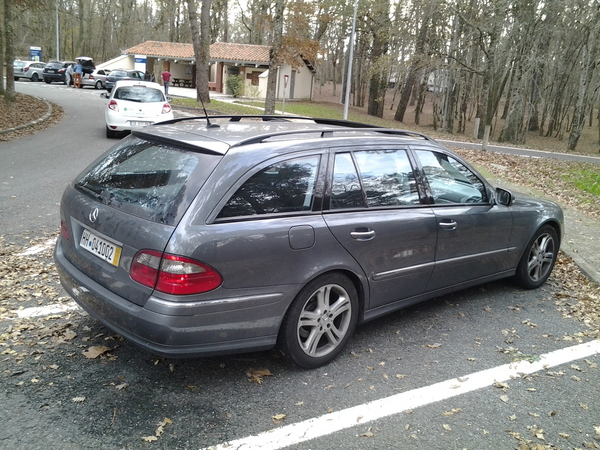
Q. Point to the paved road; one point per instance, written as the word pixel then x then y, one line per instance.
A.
pixel 59 398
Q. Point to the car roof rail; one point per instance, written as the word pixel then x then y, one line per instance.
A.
pixel 345 126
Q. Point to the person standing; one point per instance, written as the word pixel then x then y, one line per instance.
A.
pixel 166 76
pixel 78 74
pixel 69 75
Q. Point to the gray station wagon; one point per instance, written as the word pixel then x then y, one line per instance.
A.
pixel 195 238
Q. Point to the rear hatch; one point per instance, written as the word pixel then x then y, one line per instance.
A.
pixel 131 198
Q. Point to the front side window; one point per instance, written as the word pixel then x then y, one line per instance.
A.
pixel 373 178
pixel 451 181
pixel 284 187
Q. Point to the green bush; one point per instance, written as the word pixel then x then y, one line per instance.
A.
pixel 235 85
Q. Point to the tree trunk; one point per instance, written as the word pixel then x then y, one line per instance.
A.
pixel 201 43
pixel 273 58
pixel 9 93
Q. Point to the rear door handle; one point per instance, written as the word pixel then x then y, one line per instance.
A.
pixel 448 225
pixel 362 234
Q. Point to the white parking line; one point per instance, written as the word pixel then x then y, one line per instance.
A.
pixel 330 423
pixel 38 311
pixel 39 248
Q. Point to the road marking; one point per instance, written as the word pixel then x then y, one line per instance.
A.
pixel 38 311
pixel 39 248
pixel 330 423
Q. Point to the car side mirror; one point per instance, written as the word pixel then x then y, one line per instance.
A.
pixel 104 95
pixel 504 197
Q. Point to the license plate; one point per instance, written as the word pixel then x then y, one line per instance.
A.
pixel 135 123
pixel 103 249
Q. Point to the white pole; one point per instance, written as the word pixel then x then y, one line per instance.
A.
pixel 350 57
pixel 57 36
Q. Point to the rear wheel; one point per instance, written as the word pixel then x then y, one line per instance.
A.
pixel 98 85
pixel 538 258
pixel 320 321
pixel 110 134
pixel 35 78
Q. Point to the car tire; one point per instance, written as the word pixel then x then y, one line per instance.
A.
pixel 538 259
pixel 98 85
pixel 16 78
pixel 35 78
pixel 47 81
pixel 320 321
pixel 110 134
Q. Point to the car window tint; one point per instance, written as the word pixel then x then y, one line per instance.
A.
pixel 140 94
pixel 148 180
pixel 388 178
pixel 346 191
pixel 284 187
pixel 451 181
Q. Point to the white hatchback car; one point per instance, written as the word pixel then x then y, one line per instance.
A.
pixel 134 104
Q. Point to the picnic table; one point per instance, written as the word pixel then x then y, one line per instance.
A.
pixel 182 82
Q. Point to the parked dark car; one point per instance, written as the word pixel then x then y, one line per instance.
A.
pixel 192 238
pixel 55 71
pixel 122 74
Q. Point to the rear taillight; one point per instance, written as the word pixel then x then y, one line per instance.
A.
pixel 64 229
pixel 173 274
pixel 166 108
pixel 25 69
pixel 113 105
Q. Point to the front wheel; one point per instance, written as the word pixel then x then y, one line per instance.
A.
pixel 320 321
pixel 538 258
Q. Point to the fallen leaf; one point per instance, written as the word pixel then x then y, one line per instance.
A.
pixel 436 345
pixel 256 375
pixel 447 427
pixel 78 399
pixel 504 398
pixel 278 418
pixel 150 438
pixel 94 352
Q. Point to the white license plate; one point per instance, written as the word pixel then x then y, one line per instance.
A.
pixel 134 123
pixel 102 248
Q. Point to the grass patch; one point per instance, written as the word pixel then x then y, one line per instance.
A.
pixel 587 180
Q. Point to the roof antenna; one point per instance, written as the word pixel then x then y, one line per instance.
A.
pixel 208 124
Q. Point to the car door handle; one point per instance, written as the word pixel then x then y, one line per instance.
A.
pixel 448 225
pixel 362 234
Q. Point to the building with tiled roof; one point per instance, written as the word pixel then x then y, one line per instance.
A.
pixel 226 58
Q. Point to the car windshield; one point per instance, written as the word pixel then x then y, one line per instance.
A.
pixel 139 94
pixel 148 180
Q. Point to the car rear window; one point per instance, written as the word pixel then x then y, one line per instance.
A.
pixel 139 94
pixel 148 180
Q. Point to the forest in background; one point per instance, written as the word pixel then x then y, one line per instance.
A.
pixel 520 66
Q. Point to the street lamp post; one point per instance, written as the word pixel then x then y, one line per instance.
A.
pixel 350 57
pixel 57 35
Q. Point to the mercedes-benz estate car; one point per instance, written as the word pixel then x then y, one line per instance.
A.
pixel 193 237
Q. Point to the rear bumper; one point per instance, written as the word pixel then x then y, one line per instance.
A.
pixel 214 327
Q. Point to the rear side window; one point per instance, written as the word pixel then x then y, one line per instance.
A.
pixel 377 177
pixel 285 187
pixel 148 180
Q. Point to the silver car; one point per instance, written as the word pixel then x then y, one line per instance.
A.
pixel 194 238
pixel 34 70
pixel 97 78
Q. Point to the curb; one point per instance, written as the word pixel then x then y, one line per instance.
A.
pixel 34 122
